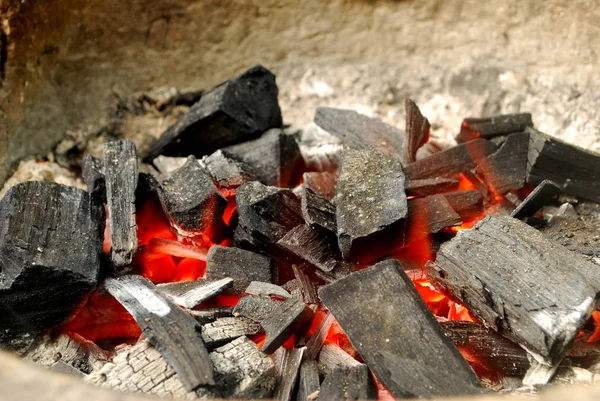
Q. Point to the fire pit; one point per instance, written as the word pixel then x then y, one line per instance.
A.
pixel 255 258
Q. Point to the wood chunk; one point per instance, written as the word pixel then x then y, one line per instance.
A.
pixel 290 367
pixel 50 246
pixel 231 112
pixel 430 215
pixel 226 329
pixel 321 183
pixel 515 280
pixel 318 211
pixel 332 357
pixel 274 158
pixel 240 265
pixel 490 127
pixel 417 131
pixel 316 341
pixel 392 329
pixel 93 176
pixel 227 172
pixel 468 204
pixel 174 332
pixel 430 186
pixel 261 288
pixel 192 202
pixel 121 175
pixel 370 204
pixel 575 170
pixel 256 307
pixel 309 383
pixel 537 199
pixel 452 161
pixel 354 383
pixel 309 291
pixel 208 315
pixel 495 351
pixel 360 132
pixel 506 169
pixel 190 294
pixel 312 245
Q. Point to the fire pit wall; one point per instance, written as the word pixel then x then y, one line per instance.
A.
pixel 64 65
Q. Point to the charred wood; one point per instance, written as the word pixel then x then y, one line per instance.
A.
pixel 468 204
pixel 545 192
pixel 316 341
pixel 309 292
pixel 227 172
pixel 309 383
pixel 209 315
pixel 430 186
pixel 348 383
pixel 417 131
pixel 430 215
pixel 490 127
pixel 506 169
pixel 226 329
pixel 93 176
pixel 312 245
pixel 332 357
pixel 290 367
pixel 318 211
pixel 322 184
pixel 190 294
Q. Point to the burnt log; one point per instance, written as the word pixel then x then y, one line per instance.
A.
pixel 290 368
pixel 430 186
pixel 312 245
pixel 50 246
pixel 225 329
pixel 348 383
pixel 227 172
pixel 93 176
pixel 490 127
pixel 506 169
pixel 231 112
pixel 309 383
pixel 397 336
pixel 516 281
pixel 417 131
pixel 190 294
pixel 468 204
pixel 430 215
pixel 545 192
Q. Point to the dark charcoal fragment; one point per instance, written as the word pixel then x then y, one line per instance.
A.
pixel 577 235
pixel 208 315
pixel 312 245
pixel 316 341
pixel 322 184
pixel 192 203
pixel 490 127
pixel 392 329
pixel 225 329
pixel 318 211
pixel 274 158
pixel 417 131
pixel 332 356
pixel 309 384
pixel 430 186
pixel 468 204
pixel 309 291
pixel 517 281
pixel 575 170
pixel 93 176
pixel 240 265
pixel 430 215
pixel 190 294
pixel 290 368
pixel 371 204
pixel 227 172
pixel 537 199
pixel 229 113
pixel 358 131
pixel 50 246
pixel 121 174
pixel 507 167
pixel 348 383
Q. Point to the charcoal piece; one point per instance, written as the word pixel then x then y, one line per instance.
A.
pixel 430 186
pixel 545 192
pixel 290 368
pixel 192 202
pixel 225 329
pixel 279 319
pixel 295 289
pixel 577 235
pixel 240 265
pixel 452 161
pixel 208 315
pixel 231 112
pixel 309 384
pixel 360 132
pixel 575 170
pixel 174 332
pixel 312 245
pixel 370 204
pixel 539 373
pixel 318 211
pixel 190 294
pixel 309 291
pixel 430 215
pixel 322 184
pixel 332 357
pixel 121 175
pixel 392 329
pixel 516 281
pixel 468 204
pixel 506 169
pixel 147 189
pixel 490 127
pixel 319 148
pixel 50 246
pixel 93 176
pixel 274 158
pixel 490 348
pixel 316 341
pixel 262 288
pixel 417 131
pixel 166 165
pixel 354 383
pixel 227 172
pixel 477 182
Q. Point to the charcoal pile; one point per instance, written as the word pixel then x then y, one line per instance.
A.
pixel 238 259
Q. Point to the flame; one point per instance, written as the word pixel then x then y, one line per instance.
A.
pixel 596 335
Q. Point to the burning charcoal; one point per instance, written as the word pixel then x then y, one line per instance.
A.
pixel 320 150
pixel 279 319
pixel 354 383
pixel 468 204
pixel 174 332
pixel 332 357
pixel 490 127
pixel 50 246
pixel 575 170
pixel 309 383
pixel 290 367
pixel 190 294
pixel 371 204
pixel 540 196
pixel 208 315
pixel 322 184
pixel 226 172
pixel 93 176
pixel 430 186
pixel 274 158
pixel 451 162
pixel 166 165
pixel 360 132
pixel 417 131
pixel 226 329
pixel 261 288
pixel 544 309
pixel 506 169
pixel 318 211
pixel 231 112
pixel 121 175
pixel 309 291
pixel 240 265
pixel 488 347
pixel 430 215
pixel 410 354
pixel 192 203
pixel 315 343
pixel 312 245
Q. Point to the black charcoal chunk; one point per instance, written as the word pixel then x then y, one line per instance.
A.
pixel 208 315
pixel 430 186
pixel 322 183
pixel 468 204
pixel 417 131
pixel 309 383
pixel 231 112
pixel 490 127
pixel 309 291
pixel 190 294
pixel 50 246
pixel 312 245
pixel 318 211
pixel 430 215
pixel 396 335
pixel 227 172
pixel 290 368
pixel 537 199
pixel 348 383
pixel 225 329
pixel 316 341
pixel 506 169
pixel 93 176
